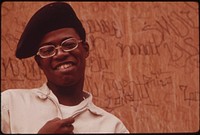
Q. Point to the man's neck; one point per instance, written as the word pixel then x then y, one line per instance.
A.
pixel 68 95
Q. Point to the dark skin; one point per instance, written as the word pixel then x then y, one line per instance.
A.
pixel 65 76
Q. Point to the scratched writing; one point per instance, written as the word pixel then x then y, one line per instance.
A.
pixel 146 49
pixel 10 40
pixel 119 92
pixel 15 70
pixel 103 27
pixel 181 48
pixel 189 94
pixel 97 63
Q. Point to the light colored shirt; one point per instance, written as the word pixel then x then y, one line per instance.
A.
pixel 26 111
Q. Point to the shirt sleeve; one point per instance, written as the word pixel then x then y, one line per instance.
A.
pixel 5 118
pixel 121 128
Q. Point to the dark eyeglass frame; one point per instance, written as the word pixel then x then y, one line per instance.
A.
pixel 57 47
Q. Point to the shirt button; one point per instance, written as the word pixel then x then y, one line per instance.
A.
pixel 43 96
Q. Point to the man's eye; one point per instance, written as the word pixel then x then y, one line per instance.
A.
pixel 47 50
pixel 69 45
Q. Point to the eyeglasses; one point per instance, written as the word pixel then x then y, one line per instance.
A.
pixel 50 50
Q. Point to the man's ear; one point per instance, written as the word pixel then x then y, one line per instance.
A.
pixel 37 59
pixel 86 47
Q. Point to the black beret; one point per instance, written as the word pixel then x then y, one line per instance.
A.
pixel 48 18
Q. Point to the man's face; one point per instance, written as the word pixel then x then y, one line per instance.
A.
pixel 64 68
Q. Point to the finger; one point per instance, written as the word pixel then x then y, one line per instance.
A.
pixel 55 119
pixel 68 121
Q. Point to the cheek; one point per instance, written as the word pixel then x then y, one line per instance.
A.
pixel 45 65
pixel 79 54
pixel 82 59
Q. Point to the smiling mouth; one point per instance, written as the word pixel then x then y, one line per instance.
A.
pixel 64 66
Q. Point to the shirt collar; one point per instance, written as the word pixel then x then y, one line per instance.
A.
pixel 44 92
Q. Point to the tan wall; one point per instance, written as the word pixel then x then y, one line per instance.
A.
pixel 143 64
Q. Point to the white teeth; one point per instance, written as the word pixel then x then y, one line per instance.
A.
pixel 64 66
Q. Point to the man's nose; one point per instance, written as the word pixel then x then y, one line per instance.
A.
pixel 60 53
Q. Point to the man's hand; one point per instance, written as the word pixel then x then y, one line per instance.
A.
pixel 58 126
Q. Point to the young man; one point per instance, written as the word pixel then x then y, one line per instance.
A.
pixel 57 40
